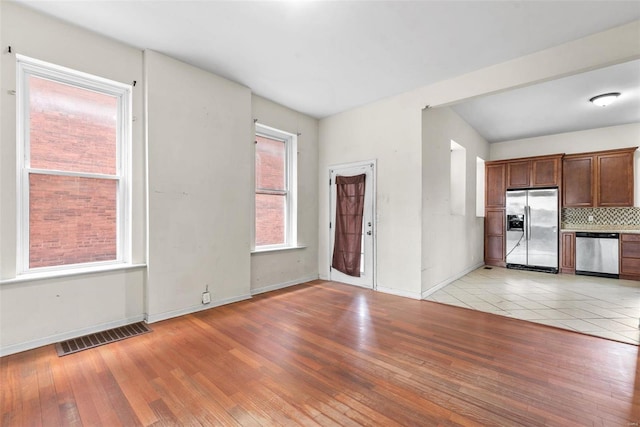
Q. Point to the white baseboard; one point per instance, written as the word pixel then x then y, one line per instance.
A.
pixel 29 345
pixel 398 292
pixel 152 318
pixel 445 282
pixel 282 285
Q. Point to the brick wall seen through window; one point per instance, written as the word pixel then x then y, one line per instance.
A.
pixel 71 219
pixel 271 186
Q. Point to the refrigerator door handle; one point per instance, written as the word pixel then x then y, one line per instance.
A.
pixel 528 220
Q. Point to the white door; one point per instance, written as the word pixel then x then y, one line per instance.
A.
pixel 367 255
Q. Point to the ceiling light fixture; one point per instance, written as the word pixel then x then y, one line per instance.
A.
pixel 605 99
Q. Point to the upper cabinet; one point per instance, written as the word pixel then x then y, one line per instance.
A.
pixel 598 179
pixel 614 182
pixel 495 184
pixel 518 173
pixel 543 171
pixel 546 171
pixel 577 181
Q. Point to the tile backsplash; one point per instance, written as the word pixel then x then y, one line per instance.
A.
pixel 603 218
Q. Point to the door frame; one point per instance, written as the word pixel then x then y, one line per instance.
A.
pixel 374 215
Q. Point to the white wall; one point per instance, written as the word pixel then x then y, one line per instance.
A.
pixel 200 179
pixel 390 131
pixel 272 270
pixel 607 138
pixel 200 154
pixel 38 312
pixel 200 198
pixel 451 244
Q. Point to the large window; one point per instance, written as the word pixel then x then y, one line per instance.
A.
pixel 275 169
pixel 73 157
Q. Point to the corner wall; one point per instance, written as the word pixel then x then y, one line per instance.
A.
pixel 200 145
pixel 452 245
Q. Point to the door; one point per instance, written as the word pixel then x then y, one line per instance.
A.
pixel 367 247
pixel 543 228
pixel 516 239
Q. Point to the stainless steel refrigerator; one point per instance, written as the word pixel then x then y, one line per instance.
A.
pixel 532 229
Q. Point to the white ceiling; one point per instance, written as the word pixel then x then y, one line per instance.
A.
pixel 557 106
pixel 323 57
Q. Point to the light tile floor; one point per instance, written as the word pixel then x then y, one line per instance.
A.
pixel 602 307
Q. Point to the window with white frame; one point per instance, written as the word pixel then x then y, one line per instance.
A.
pixel 74 143
pixel 275 200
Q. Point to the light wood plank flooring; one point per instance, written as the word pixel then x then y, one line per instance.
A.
pixel 327 354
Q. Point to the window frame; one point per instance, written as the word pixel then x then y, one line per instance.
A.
pixel 291 177
pixel 27 67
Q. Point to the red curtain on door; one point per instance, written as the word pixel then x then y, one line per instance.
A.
pixel 348 233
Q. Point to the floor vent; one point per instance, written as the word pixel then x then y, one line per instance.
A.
pixel 488 268
pixel 100 338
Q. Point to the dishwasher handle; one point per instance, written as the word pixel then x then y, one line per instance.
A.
pixel 598 235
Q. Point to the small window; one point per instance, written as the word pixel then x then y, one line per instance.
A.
pixel 275 197
pixel 73 148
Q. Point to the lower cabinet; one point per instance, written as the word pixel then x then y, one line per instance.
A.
pixel 630 256
pixel 494 237
pixel 568 252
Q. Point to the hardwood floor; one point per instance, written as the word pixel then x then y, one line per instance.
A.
pixel 329 354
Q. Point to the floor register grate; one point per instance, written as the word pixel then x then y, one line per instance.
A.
pixel 100 338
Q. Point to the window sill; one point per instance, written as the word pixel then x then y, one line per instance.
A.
pixel 267 250
pixel 29 277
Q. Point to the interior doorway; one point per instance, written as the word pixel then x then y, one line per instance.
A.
pixel 365 274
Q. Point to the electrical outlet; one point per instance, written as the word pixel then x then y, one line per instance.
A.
pixel 590 219
pixel 206 297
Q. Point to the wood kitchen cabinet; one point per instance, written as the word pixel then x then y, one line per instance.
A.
pixel 546 171
pixel 614 183
pixel 630 256
pixel 577 181
pixel 495 184
pixel 568 252
pixel 542 171
pixel 518 174
pixel 598 179
pixel 494 229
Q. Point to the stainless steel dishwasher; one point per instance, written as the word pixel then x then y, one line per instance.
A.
pixel 597 254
